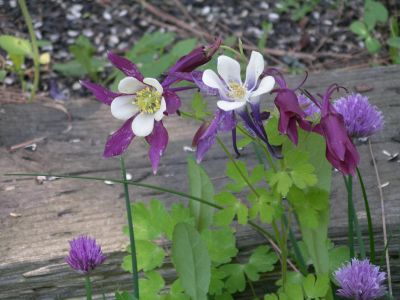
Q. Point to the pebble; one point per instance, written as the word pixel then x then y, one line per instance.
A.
pixel 13 3
pixel 273 17
pixel 206 10
pixel 88 32
pixel 9 80
pixel 76 86
pixel 72 33
pixel 107 16
pixel 327 22
pixel 264 5
pixel 54 37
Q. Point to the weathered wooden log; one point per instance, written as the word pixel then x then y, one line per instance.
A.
pixel 37 220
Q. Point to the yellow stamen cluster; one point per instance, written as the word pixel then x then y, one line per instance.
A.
pixel 237 90
pixel 148 100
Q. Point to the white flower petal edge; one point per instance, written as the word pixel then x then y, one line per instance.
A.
pixel 143 124
pixel 159 114
pixel 229 69
pixel 130 85
pixel 211 79
pixel 254 69
pixel 266 85
pixel 228 105
pixel 122 107
pixel 154 83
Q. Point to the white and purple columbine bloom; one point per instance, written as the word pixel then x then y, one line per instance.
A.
pixel 142 102
pixel 361 118
pixel 233 93
pixel 360 280
pixel 84 254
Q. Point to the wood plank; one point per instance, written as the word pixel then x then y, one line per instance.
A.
pixel 33 246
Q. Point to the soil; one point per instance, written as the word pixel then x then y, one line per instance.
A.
pixel 317 41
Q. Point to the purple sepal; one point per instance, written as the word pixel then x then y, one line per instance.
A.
pixel 158 141
pixel 223 121
pixel 101 93
pixel 55 92
pixel 172 100
pixel 118 142
pixel 197 79
pixel 125 65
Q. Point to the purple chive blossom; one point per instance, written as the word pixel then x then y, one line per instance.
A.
pixel 84 254
pixel 141 103
pixel 361 118
pixel 309 107
pixel 360 280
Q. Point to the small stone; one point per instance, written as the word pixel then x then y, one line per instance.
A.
pixel 9 188
pixel 107 16
pixel 129 176
pixel 108 182
pixel 383 185
pixel 72 33
pixel 15 215
pixel 128 31
pixel 54 37
pixel 122 13
pixel 315 15
pixel 113 40
pixel 273 17
pixel 327 22
pixel 13 3
pixel 188 149
pixel 264 5
pixel 9 80
pixel 88 32
pixel 76 86
pixel 206 10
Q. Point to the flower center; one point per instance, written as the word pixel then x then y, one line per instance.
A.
pixel 237 91
pixel 148 100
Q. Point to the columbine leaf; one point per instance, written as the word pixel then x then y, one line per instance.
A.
pixel 232 206
pixel 216 284
pixel 261 260
pixel 337 257
pixel 235 278
pixel 191 260
pixel 301 170
pixel 266 205
pixel 124 296
pixel 316 288
pixel 271 127
pixel 237 176
pixel 149 256
pixel 372 44
pixel 200 186
pixel 281 180
pixel 359 28
pixel 221 244
pixel 151 286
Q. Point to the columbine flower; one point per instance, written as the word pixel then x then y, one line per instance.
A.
pixel 143 102
pixel 84 254
pixel 360 117
pixel 290 112
pixel 360 280
pixel 340 150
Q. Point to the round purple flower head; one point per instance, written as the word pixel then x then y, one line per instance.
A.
pixel 361 118
pixel 360 280
pixel 84 255
pixel 308 106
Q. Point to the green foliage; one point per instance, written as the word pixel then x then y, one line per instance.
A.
pixel 221 244
pixel 191 260
pixel 266 29
pixel 200 186
pixel 149 256
pixel 266 206
pixel 199 107
pixel 16 46
pixel 239 183
pixel 84 62
pixel 297 9
pixel 394 41
pixel 374 12
pixel 231 207
pixel 124 296
pixel 234 275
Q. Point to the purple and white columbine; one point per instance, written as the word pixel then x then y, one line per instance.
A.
pixel 233 92
pixel 142 102
pixel 84 254
pixel 360 280
pixel 361 118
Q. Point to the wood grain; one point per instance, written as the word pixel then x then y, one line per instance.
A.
pixel 33 245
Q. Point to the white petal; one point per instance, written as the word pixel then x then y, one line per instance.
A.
pixel 130 85
pixel 229 69
pixel 123 108
pixel 143 124
pixel 154 83
pixel 266 85
pixel 211 79
pixel 160 113
pixel 230 105
pixel 254 69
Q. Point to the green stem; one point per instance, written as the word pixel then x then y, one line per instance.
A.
pixel 237 167
pixel 135 274
pixel 297 253
pixel 284 252
pixel 88 287
pixel 350 229
pixel 369 219
pixel 35 49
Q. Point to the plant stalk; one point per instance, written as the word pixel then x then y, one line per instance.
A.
pixel 135 274
pixel 35 48
pixel 88 287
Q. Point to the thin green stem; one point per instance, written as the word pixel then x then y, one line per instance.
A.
pixel 135 274
pixel 350 229
pixel 297 253
pixel 225 47
pixel 369 219
pixel 35 48
pixel 88 287
pixel 237 167
pixel 284 252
